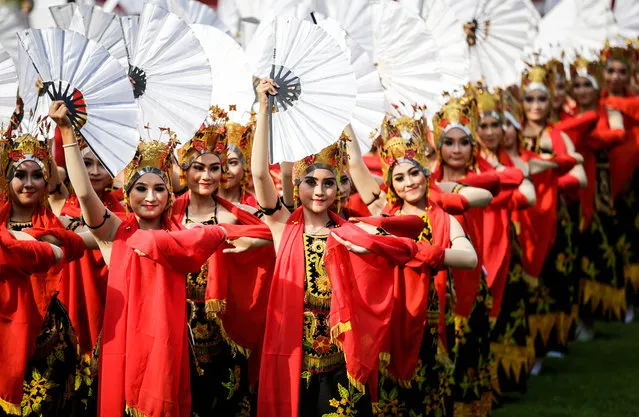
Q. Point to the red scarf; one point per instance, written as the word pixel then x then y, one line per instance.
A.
pixel 84 282
pixel 624 157
pixel 23 301
pixel 538 224
pixel 361 309
pixel 144 363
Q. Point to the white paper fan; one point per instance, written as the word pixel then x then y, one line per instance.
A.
pixel 172 74
pixel 232 79
pixel 8 88
pixel 626 13
pixel 452 50
pixel 502 32
pixel 574 27
pixel 130 28
pixel 317 90
pixel 27 76
pixel 192 11
pixel 95 24
pixel 95 88
pixel 11 22
pixel 406 57
pixel 368 113
pixel 355 16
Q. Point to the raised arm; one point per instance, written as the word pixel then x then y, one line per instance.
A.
pixel 367 187
pixel 102 222
pixel 265 191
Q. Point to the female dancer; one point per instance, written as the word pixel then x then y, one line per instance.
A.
pixel 319 312
pixel 144 362
pixel 39 378
pixel 549 253
pixel 219 375
pixel 237 171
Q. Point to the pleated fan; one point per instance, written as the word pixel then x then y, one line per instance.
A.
pixel 8 88
pixel 171 74
pixel 95 24
pixel 130 28
pixel 406 57
pixel 626 13
pixel 94 87
pixel 317 90
pixel 355 16
pixel 192 11
pixel 11 22
pixel 368 113
pixel 232 79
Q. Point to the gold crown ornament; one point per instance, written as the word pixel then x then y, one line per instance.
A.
pixel 620 50
pixel 151 156
pixel 458 112
pixel 590 70
pixel 210 139
pixel 538 77
pixel 488 102
pixel 334 158
pixel 557 68
pixel 21 147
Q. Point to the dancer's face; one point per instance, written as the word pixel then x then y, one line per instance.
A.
pixel 234 170
pixel 318 190
pixel 456 148
pixel 98 175
pixel 616 77
pixel 149 196
pixel 409 182
pixel 204 175
pixel 536 105
pixel 584 92
pixel 491 132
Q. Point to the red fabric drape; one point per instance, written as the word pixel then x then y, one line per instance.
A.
pixel 361 308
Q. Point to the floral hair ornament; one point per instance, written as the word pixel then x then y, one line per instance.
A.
pixel 152 156
pixel 23 146
pixel 334 158
pixel 590 70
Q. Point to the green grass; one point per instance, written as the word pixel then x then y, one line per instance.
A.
pixel 596 379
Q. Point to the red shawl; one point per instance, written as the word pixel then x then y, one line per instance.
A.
pixel 144 364
pixel 238 284
pixel 624 157
pixel 539 223
pixel 24 301
pixel 410 297
pixel 83 287
pixel 248 199
pixel 361 309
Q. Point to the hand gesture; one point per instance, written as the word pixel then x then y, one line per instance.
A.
pixel 351 247
pixel 265 88
pixel 58 112
pixel 244 244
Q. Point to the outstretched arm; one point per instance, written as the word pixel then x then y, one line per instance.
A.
pixel 95 214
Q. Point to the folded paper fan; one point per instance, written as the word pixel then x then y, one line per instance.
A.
pixel 317 91
pixel 130 28
pixel 626 13
pixel 8 88
pixel 171 74
pixel 406 57
pixel 452 50
pixel 94 87
pixel 574 27
pixel 192 11
pixel 497 36
pixel 355 16
pixel 232 79
pixel 95 24
pixel 368 113
pixel 27 76
pixel 11 22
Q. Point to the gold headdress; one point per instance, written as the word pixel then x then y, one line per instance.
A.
pixel 557 68
pixel 621 51
pixel 211 139
pixel 591 70
pixel 488 103
pixel 538 77
pixel 19 148
pixel 458 112
pixel 333 157
pixel 154 157
pixel 403 139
